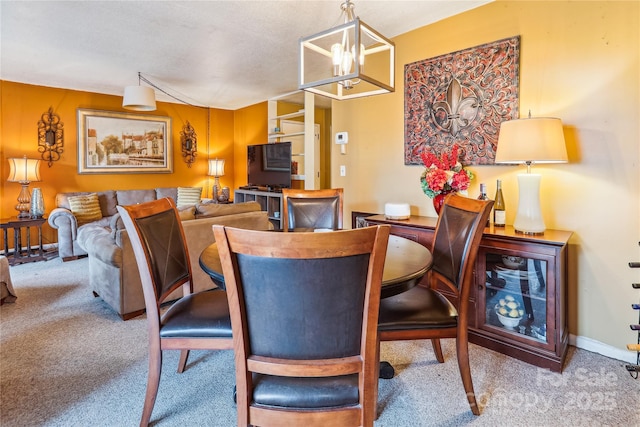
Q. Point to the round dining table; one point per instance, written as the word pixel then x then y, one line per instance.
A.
pixel 405 265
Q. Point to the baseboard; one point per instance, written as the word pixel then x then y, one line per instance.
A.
pixel 594 346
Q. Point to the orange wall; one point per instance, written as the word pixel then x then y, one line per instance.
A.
pixel 22 105
pixel 250 127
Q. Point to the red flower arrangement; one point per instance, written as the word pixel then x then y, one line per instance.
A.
pixel 444 174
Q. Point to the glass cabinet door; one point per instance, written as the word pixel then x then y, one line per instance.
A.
pixel 515 295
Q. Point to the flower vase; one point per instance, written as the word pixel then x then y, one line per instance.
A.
pixel 438 201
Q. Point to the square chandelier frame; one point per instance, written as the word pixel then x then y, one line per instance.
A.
pixel 315 57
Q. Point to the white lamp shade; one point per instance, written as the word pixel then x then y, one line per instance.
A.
pixel 535 140
pixel 139 98
pixel 24 170
pixel 216 167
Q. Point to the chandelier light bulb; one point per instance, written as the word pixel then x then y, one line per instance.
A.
pixel 347 59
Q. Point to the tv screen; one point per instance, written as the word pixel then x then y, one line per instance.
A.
pixel 269 165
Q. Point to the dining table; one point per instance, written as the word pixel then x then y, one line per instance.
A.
pixel 406 263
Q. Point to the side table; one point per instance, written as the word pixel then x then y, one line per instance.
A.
pixel 20 226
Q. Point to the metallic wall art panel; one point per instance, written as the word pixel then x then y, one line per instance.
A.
pixel 461 98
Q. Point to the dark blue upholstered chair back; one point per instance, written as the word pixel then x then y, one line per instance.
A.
pixel 304 313
pixel 166 251
pixel 312 209
pixel 452 241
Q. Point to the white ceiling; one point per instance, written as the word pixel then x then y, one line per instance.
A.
pixel 221 54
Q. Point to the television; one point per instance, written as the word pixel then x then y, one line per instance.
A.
pixel 269 166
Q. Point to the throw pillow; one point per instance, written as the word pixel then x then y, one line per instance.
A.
pixel 85 208
pixel 188 196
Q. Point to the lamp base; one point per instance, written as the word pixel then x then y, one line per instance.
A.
pixel 24 201
pixel 529 216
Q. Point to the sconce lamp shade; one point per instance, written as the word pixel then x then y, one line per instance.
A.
pixel 139 98
pixel 532 140
pixel 24 170
pixel 216 167
pixel 528 141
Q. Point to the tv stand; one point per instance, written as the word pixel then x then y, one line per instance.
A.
pixel 270 201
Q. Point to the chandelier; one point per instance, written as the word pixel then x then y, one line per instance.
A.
pixel 332 62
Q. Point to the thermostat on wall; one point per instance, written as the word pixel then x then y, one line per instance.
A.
pixel 342 138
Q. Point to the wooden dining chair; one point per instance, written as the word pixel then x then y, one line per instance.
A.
pixel 425 313
pixel 195 321
pixel 304 311
pixel 311 209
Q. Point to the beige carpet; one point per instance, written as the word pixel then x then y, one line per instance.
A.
pixel 67 360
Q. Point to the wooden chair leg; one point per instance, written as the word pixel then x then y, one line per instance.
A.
pixel 153 381
pixel 437 349
pixel 462 350
pixel 184 355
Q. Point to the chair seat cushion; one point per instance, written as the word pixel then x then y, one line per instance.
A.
pixel 301 393
pixel 418 308
pixel 200 315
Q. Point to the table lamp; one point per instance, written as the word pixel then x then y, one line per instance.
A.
pixel 528 141
pixel 24 171
pixel 216 169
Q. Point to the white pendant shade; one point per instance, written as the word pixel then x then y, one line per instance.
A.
pixel 139 98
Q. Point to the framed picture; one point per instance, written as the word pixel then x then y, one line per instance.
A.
pixel 277 157
pixel 461 98
pixel 113 142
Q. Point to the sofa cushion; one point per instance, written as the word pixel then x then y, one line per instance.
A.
pixel 171 192
pixel 99 243
pixel 86 208
pixel 133 197
pixel 188 196
pixel 188 213
pixel 212 209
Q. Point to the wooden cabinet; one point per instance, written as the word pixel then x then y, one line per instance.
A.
pixel 270 201
pixel 513 271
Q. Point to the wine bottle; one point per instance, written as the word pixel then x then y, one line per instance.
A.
pixel 483 196
pixel 499 216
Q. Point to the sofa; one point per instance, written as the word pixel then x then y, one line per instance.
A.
pixel 113 272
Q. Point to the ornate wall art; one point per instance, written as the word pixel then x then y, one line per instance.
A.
pixel 461 98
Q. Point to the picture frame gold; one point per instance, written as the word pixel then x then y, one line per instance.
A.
pixel 114 142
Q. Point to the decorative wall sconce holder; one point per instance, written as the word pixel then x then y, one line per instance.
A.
pixel 189 141
pixel 50 137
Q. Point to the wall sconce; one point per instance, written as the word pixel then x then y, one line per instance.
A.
pixel 189 141
pixel 50 137
pixel 24 171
